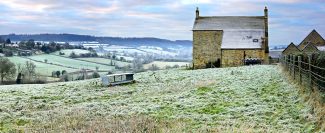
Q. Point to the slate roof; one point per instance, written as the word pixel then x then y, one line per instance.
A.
pixel 229 22
pixel 239 32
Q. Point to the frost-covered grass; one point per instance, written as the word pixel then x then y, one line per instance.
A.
pixel 105 61
pixel 124 50
pixel 128 58
pixel 163 64
pixel 160 51
pixel 251 98
pixel 67 52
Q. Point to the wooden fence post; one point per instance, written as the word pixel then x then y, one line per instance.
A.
pixel 290 64
pixel 299 67
pixel 285 60
pixel 309 72
pixel 291 59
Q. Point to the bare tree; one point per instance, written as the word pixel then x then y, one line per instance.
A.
pixel 20 68
pixel 153 67
pixel 7 69
pixel 137 65
pixel 30 68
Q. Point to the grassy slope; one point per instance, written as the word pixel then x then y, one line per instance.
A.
pixel 257 96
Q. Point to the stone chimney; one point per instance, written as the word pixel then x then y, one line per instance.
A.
pixel 197 13
pixel 266 26
pixel 266 12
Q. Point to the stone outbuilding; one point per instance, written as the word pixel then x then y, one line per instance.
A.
pixel 313 37
pixel 291 49
pixel 313 43
pixel 224 41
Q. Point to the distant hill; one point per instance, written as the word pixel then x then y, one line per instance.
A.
pixel 109 40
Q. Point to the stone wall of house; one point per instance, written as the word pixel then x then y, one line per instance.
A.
pixel 266 58
pixel 235 57
pixel 206 47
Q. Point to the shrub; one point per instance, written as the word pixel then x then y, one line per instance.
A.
pixel 73 55
pixel 8 53
pixel 63 72
pixel 7 69
pixel 95 75
pixel 64 77
pixel 58 73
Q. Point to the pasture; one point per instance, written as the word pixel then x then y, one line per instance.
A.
pixel 239 99
pixel 69 62
pixel 105 61
pixel 42 68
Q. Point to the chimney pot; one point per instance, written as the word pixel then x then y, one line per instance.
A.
pixel 197 12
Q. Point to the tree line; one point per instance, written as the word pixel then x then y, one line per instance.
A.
pixel 33 45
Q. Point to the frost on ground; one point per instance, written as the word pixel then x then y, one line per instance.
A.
pixel 257 96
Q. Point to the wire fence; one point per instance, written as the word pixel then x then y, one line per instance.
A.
pixel 304 72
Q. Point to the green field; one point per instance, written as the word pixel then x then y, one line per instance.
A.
pixel 71 62
pixel 105 61
pixel 41 68
pixel 238 99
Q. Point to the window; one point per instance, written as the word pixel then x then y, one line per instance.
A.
pixel 255 40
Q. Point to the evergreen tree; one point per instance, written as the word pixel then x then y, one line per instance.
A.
pixel 8 41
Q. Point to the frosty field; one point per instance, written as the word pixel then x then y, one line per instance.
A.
pixel 242 99
pixel 71 62
pixel 67 52
pixel 41 68
pixel 164 64
pixel 105 61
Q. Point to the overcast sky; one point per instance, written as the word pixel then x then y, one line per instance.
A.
pixel 290 20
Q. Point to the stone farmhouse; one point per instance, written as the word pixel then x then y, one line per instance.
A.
pixel 314 42
pixel 225 41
